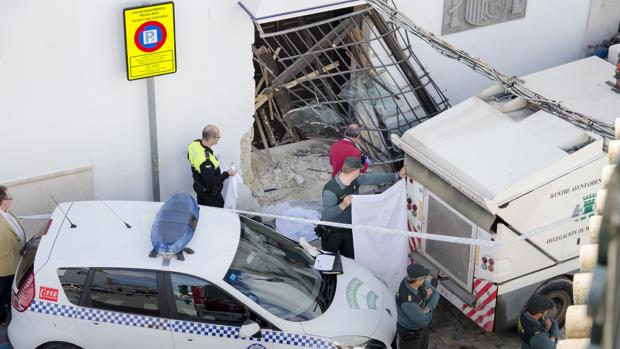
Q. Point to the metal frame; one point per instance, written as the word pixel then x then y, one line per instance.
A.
pixel 512 84
pixel 470 272
pixel 316 60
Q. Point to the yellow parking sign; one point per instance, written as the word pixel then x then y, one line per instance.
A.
pixel 149 40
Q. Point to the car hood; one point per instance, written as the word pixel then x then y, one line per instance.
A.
pixel 362 306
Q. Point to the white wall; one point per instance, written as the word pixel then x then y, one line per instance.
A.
pixel 602 23
pixel 65 100
pixel 552 33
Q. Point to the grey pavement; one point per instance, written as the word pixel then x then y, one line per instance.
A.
pixel 451 329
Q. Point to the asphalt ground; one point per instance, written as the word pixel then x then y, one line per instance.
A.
pixel 450 329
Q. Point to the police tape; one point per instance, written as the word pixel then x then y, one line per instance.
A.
pixel 434 237
pixel 426 236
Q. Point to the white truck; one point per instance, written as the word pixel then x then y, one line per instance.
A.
pixel 493 168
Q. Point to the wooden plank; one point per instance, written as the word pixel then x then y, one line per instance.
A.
pixel 260 131
pixel 283 123
pixel 259 85
pixel 263 98
pixel 268 130
pixel 312 54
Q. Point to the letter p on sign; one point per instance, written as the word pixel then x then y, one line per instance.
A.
pixel 150 36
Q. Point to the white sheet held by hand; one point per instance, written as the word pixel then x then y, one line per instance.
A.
pixel 386 255
pixel 230 191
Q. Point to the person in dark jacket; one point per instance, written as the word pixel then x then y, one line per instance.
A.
pixel 337 196
pixel 208 178
pixel 415 302
pixel 535 331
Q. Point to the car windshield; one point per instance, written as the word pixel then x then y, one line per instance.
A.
pixel 276 273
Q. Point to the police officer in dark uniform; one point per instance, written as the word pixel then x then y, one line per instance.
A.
pixel 337 196
pixel 415 301
pixel 208 178
pixel 535 331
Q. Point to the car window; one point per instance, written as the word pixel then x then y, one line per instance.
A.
pixel 129 291
pixel 277 274
pixel 72 281
pixel 198 300
pixel 26 264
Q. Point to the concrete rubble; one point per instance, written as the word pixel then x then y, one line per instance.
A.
pixel 290 172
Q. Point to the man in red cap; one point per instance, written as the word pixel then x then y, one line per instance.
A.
pixel 347 147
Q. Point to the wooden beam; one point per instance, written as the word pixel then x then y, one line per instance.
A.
pixel 313 53
pixel 263 98
pixel 259 85
pixel 260 131
pixel 267 124
pixel 282 122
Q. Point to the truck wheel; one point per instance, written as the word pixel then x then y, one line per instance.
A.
pixel 560 292
pixel 59 345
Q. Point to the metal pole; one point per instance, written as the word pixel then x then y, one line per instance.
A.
pixel 150 88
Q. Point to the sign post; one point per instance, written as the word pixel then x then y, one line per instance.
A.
pixel 150 50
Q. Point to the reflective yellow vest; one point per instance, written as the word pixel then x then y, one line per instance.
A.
pixel 197 155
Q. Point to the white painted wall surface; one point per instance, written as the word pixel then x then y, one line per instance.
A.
pixel 65 100
pixel 602 23
pixel 552 33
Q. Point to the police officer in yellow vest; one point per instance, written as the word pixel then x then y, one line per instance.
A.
pixel 208 178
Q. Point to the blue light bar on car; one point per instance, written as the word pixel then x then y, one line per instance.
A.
pixel 175 224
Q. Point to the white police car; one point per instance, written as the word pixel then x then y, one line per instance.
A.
pixel 92 284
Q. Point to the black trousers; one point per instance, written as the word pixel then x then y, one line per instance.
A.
pixel 412 339
pixel 6 282
pixel 207 200
pixel 338 240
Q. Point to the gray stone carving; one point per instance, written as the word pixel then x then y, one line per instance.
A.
pixel 460 15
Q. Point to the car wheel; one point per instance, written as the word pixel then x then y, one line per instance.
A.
pixel 560 292
pixel 59 345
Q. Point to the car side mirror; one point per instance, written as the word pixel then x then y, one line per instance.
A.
pixel 249 329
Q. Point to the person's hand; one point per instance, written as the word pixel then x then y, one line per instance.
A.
pixel 231 172
pixel 346 202
pixel 429 293
pixel 402 173
pixel 548 323
pixel 426 310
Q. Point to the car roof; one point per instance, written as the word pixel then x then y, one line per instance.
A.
pixel 102 240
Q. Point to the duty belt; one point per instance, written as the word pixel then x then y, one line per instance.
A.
pixel 403 332
pixel 210 191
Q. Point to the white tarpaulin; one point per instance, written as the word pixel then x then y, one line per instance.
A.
pixel 295 230
pixel 230 191
pixel 386 255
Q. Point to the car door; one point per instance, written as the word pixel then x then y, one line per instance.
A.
pixel 121 308
pixel 205 316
